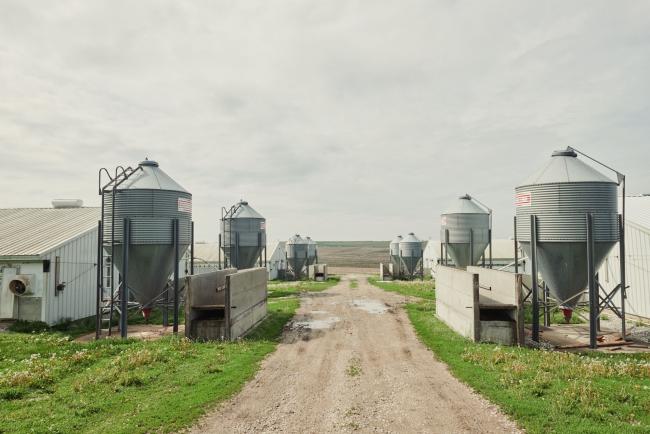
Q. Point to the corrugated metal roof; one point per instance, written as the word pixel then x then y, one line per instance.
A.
pixel 34 231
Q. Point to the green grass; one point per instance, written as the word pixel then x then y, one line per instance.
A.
pixel 84 326
pixel 354 284
pixel 544 391
pixel 557 317
pixel 416 288
pixel 49 383
pixel 288 289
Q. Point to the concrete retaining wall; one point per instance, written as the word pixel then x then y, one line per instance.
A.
pixel 318 272
pixel 482 304
pixel 501 293
pixel 224 304
pixel 246 293
pixel 457 299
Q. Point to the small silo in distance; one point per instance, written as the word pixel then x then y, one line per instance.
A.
pixel 297 254
pixel 151 200
pixel 410 251
pixel 468 227
pixel 312 253
pixel 560 195
pixel 394 253
pixel 243 235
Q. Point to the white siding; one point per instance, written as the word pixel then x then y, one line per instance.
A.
pixel 276 260
pixel 637 271
pixel 78 268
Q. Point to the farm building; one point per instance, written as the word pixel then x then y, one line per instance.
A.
pixel 637 252
pixel 48 261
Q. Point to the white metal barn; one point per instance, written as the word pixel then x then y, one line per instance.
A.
pixel 637 257
pixel 48 263
pixel 276 259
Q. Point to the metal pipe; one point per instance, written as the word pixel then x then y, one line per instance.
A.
pixel 621 243
pixel 547 311
pixel 593 289
pixel 471 247
pixel 516 249
pixel 175 232
pixel 192 251
pixel 490 240
pixel 533 258
pixel 446 246
pixel 124 296
pixel 219 250
pixel 100 260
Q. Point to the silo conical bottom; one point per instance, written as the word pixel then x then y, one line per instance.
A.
pixel 460 253
pixel 150 266
pixel 410 265
pixel 247 257
pixel 563 267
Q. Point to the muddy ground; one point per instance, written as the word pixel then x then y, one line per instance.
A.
pixel 351 362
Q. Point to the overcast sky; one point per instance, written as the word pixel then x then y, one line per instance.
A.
pixel 339 120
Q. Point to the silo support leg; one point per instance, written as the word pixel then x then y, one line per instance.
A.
pixel 124 296
pixel 535 289
pixel 175 230
pixel 593 288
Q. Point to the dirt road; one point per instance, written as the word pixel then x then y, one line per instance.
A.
pixel 351 362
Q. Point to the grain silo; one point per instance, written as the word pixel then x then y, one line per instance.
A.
pixel 410 252
pixel 243 236
pixel 147 226
pixel 561 197
pixel 465 230
pixel 394 255
pixel 312 251
pixel 297 254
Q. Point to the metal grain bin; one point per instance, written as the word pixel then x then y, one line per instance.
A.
pixel 311 251
pixel 560 194
pixel 151 199
pixel 296 248
pixel 410 250
pixel 243 235
pixel 394 253
pixel 465 221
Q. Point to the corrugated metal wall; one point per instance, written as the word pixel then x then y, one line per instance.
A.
pixel 78 269
pixel 637 271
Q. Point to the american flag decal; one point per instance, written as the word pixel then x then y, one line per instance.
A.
pixel 263 225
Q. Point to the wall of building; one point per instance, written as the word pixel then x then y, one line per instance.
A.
pixel 637 271
pixel 276 260
pixel 78 269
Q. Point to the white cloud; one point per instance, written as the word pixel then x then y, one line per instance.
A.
pixel 342 120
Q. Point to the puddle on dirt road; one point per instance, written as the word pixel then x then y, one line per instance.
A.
pixel 317 324
pixel 370 306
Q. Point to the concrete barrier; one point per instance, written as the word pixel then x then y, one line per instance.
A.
pixel 246 301
pixel 457 299
pixel 482 304
pixel 500 302
pixel 318 272
pixel 224 304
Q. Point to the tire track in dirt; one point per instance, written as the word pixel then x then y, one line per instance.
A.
pixel 351 362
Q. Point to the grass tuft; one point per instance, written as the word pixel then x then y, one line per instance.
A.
pixel 414 288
